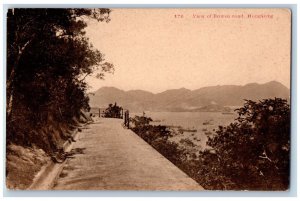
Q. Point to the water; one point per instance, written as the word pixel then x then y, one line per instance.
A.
pixel 195 126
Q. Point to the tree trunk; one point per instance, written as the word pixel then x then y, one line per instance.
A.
pixel 10 82
pixel 9 94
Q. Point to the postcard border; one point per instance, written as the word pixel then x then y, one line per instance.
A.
pixel 293 86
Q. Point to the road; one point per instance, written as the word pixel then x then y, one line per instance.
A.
pixel 114 158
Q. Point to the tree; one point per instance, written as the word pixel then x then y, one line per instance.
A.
pixel 48 58
pixel 54 34
pixel 254 151
pixel 113 111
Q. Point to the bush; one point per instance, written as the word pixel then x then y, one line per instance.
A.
pixel 150 133
pixel 254 151
pixel 113 111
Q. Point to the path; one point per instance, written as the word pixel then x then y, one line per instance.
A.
pixel 115 158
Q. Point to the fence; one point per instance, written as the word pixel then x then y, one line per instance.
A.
pixel 126 118
pixel 99 112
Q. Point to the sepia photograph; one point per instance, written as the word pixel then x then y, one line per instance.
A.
pixel 148 99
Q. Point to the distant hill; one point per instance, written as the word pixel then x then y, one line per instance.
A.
pixel 189 100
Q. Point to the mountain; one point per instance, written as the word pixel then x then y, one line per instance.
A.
pixel 136 100
pixel 234 95
pixel 188 100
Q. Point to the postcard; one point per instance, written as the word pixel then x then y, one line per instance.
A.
pixel 148 99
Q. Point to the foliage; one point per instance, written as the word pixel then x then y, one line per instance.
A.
pixel 254 151
pixel 48 58
pixel 150 133
pixel 113 111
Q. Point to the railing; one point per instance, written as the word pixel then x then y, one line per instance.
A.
pixel 126 118
pixel 99 112
pixel 123 115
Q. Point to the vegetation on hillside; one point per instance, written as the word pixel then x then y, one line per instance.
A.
pixel 48 58
pixel 252 153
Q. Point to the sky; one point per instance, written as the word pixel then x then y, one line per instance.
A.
pixel 161 49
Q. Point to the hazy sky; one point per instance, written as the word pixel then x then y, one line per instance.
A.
pixel 154 50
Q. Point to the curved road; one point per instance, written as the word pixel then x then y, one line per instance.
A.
pixel 114 158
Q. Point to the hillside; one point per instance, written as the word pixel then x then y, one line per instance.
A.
pixel 188 100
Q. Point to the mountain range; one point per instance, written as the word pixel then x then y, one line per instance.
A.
pixel 207 98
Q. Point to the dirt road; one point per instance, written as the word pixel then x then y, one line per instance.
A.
pixel 114 158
